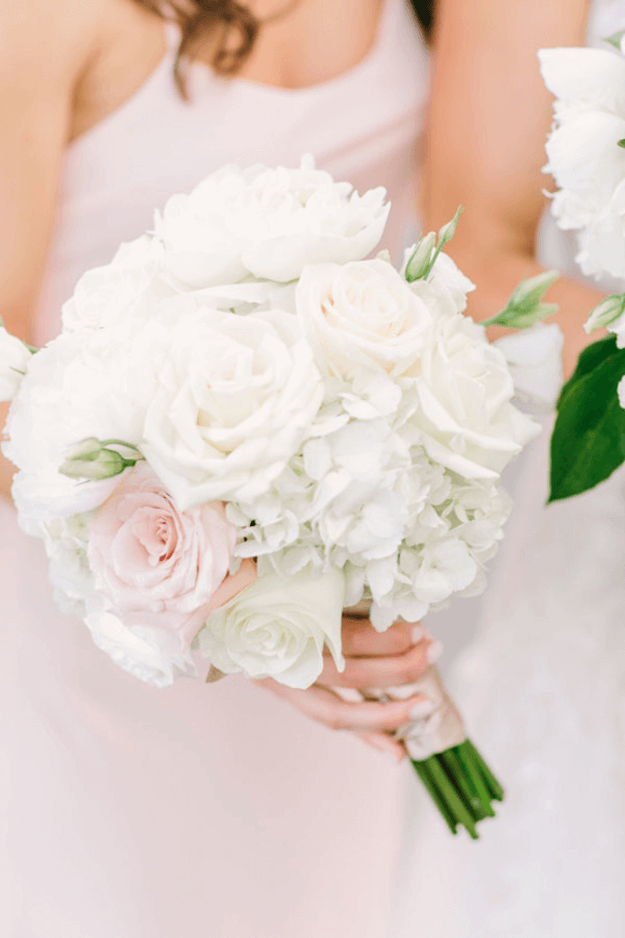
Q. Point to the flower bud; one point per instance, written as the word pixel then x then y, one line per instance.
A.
pixel 607 312
pixel 419 263
pixel 103 465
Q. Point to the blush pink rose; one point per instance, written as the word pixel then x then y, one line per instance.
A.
pixel 161 568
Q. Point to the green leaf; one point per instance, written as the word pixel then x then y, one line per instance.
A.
pixel 615 40
pixel 621 143
pixel 607 312
pixel 524 308
pixel 588 441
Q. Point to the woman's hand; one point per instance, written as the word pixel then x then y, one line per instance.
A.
pixel 372 659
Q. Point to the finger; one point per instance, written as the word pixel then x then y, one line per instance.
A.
pixel 384 743
pixel 324 706
pixel 388 671
pixel 360 638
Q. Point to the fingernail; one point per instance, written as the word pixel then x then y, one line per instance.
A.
pixel 422 709
pixel 418 633
pixel 434 651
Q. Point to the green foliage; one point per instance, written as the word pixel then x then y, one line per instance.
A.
pixel 525 307
pixel 588 441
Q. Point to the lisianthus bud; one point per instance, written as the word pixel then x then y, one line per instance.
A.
pixel 607 312
pixel 525 307
pixel 93 460
pixel 420 261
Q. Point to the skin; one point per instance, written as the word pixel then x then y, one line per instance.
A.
pixel 490 115
pixel 65 66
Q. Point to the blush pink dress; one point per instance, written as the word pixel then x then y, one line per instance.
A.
pixel 200 811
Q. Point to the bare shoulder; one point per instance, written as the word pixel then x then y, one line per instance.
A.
pixel 55 40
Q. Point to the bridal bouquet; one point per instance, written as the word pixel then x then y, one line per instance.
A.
pixel 244 427
pixel 586 152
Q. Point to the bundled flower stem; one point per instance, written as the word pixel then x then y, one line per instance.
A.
pixel 457 778
pixel 461 785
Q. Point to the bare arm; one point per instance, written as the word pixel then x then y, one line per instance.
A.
pixel 490 117
pixel 40 59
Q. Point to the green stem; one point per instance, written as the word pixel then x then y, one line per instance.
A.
pixel 457 805
pixel 435 795
pixel 495 788
pixel 472 771
pixel 464 782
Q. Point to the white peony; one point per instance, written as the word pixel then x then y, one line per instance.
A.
pixel 361 315
pixel 138 651
pixel 237 396
pixel 278 627
pixel 15 359
pixel 585 157
pixel 129 285
pixel 269 223
pixel 89 383
pixel 465 415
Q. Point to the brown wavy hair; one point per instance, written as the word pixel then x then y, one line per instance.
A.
pixel 231 26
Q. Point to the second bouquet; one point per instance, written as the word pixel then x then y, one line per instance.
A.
pixel 246 426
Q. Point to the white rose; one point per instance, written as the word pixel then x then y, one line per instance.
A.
pixel 277 628
pixel 130 285
pixel 267 222
pixel 15 359
pixel 237 397
pixel 584 156
pixel 465 416
pixel 361 315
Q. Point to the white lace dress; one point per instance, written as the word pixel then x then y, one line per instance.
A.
pixel 543 690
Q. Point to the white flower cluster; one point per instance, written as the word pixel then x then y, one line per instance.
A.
pixel 246 425
pixel 586 151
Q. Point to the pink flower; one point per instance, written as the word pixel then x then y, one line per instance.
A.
pixel 161 568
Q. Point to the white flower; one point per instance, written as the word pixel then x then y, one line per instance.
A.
pixel 361 315
pixel 138 651
pixel 89 383
pixel 445 289
pixel 129 285
pixel 236 398
pixel 621 392
pixel 267 222
pixel 277 628
pixel 534 357
pixel 585 157
pixel 465 417
pixel 15 359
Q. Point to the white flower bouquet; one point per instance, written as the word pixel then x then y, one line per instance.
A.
pixel 586 153
pixel 245 426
